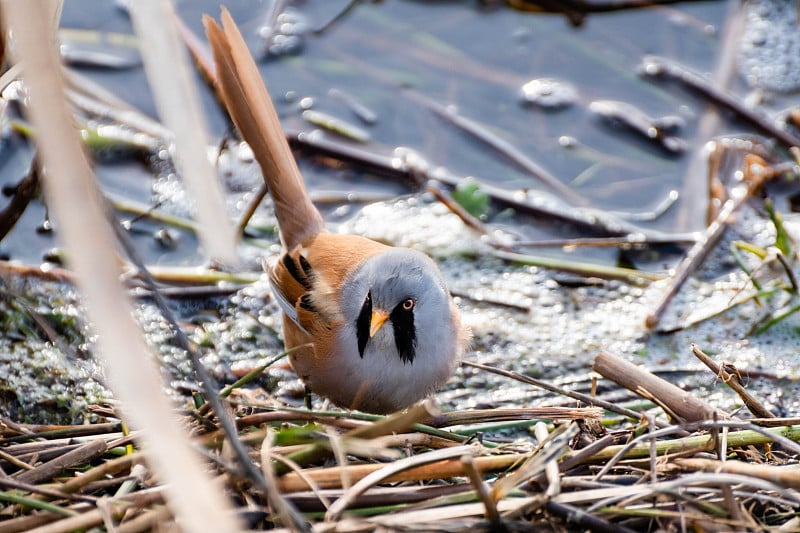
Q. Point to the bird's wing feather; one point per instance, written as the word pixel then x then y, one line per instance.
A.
pixel 286 306
pixel 290 285
pixel 304 280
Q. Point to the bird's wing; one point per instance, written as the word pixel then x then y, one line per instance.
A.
pixel 291 285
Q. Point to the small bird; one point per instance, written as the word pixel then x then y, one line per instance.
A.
pixel 373 326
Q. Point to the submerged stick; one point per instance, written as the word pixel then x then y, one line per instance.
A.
pixel 503 147
pixel 529 201
pixel 659 66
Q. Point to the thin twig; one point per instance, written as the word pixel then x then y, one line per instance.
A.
pixel 752 403
pixel 588 400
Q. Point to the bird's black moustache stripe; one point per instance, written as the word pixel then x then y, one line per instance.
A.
pixel 362 325
pixel 405 334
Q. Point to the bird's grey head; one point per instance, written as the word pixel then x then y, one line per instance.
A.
pixel 402 291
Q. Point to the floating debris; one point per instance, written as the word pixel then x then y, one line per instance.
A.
pixel 367 115
pixel 283 30
pixel 654 129
pixel 110 142
pixel 166 238
pixel 306 103
pixel 769 48
pixel 45 227
pixel 549 93
pixel 336 125
pixel 54 255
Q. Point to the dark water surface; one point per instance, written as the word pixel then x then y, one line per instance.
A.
pixel 454 53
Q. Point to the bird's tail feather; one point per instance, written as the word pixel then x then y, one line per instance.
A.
pixel 245 96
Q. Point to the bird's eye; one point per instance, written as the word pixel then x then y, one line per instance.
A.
pixel 408 304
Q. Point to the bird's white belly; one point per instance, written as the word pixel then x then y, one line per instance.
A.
pixel 381 382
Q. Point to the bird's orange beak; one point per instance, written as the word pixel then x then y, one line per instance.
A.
pixel 378 318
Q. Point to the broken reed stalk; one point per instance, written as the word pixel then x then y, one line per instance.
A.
pixel 481 489
pixel 478 416
pixel 80 455
pixel 732 381
pixel 684 405
pixel 756 173
pixel 695 256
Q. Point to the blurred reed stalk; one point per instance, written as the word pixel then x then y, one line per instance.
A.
pixel 75 202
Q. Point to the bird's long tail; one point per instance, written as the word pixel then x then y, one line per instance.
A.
pixel 249 105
